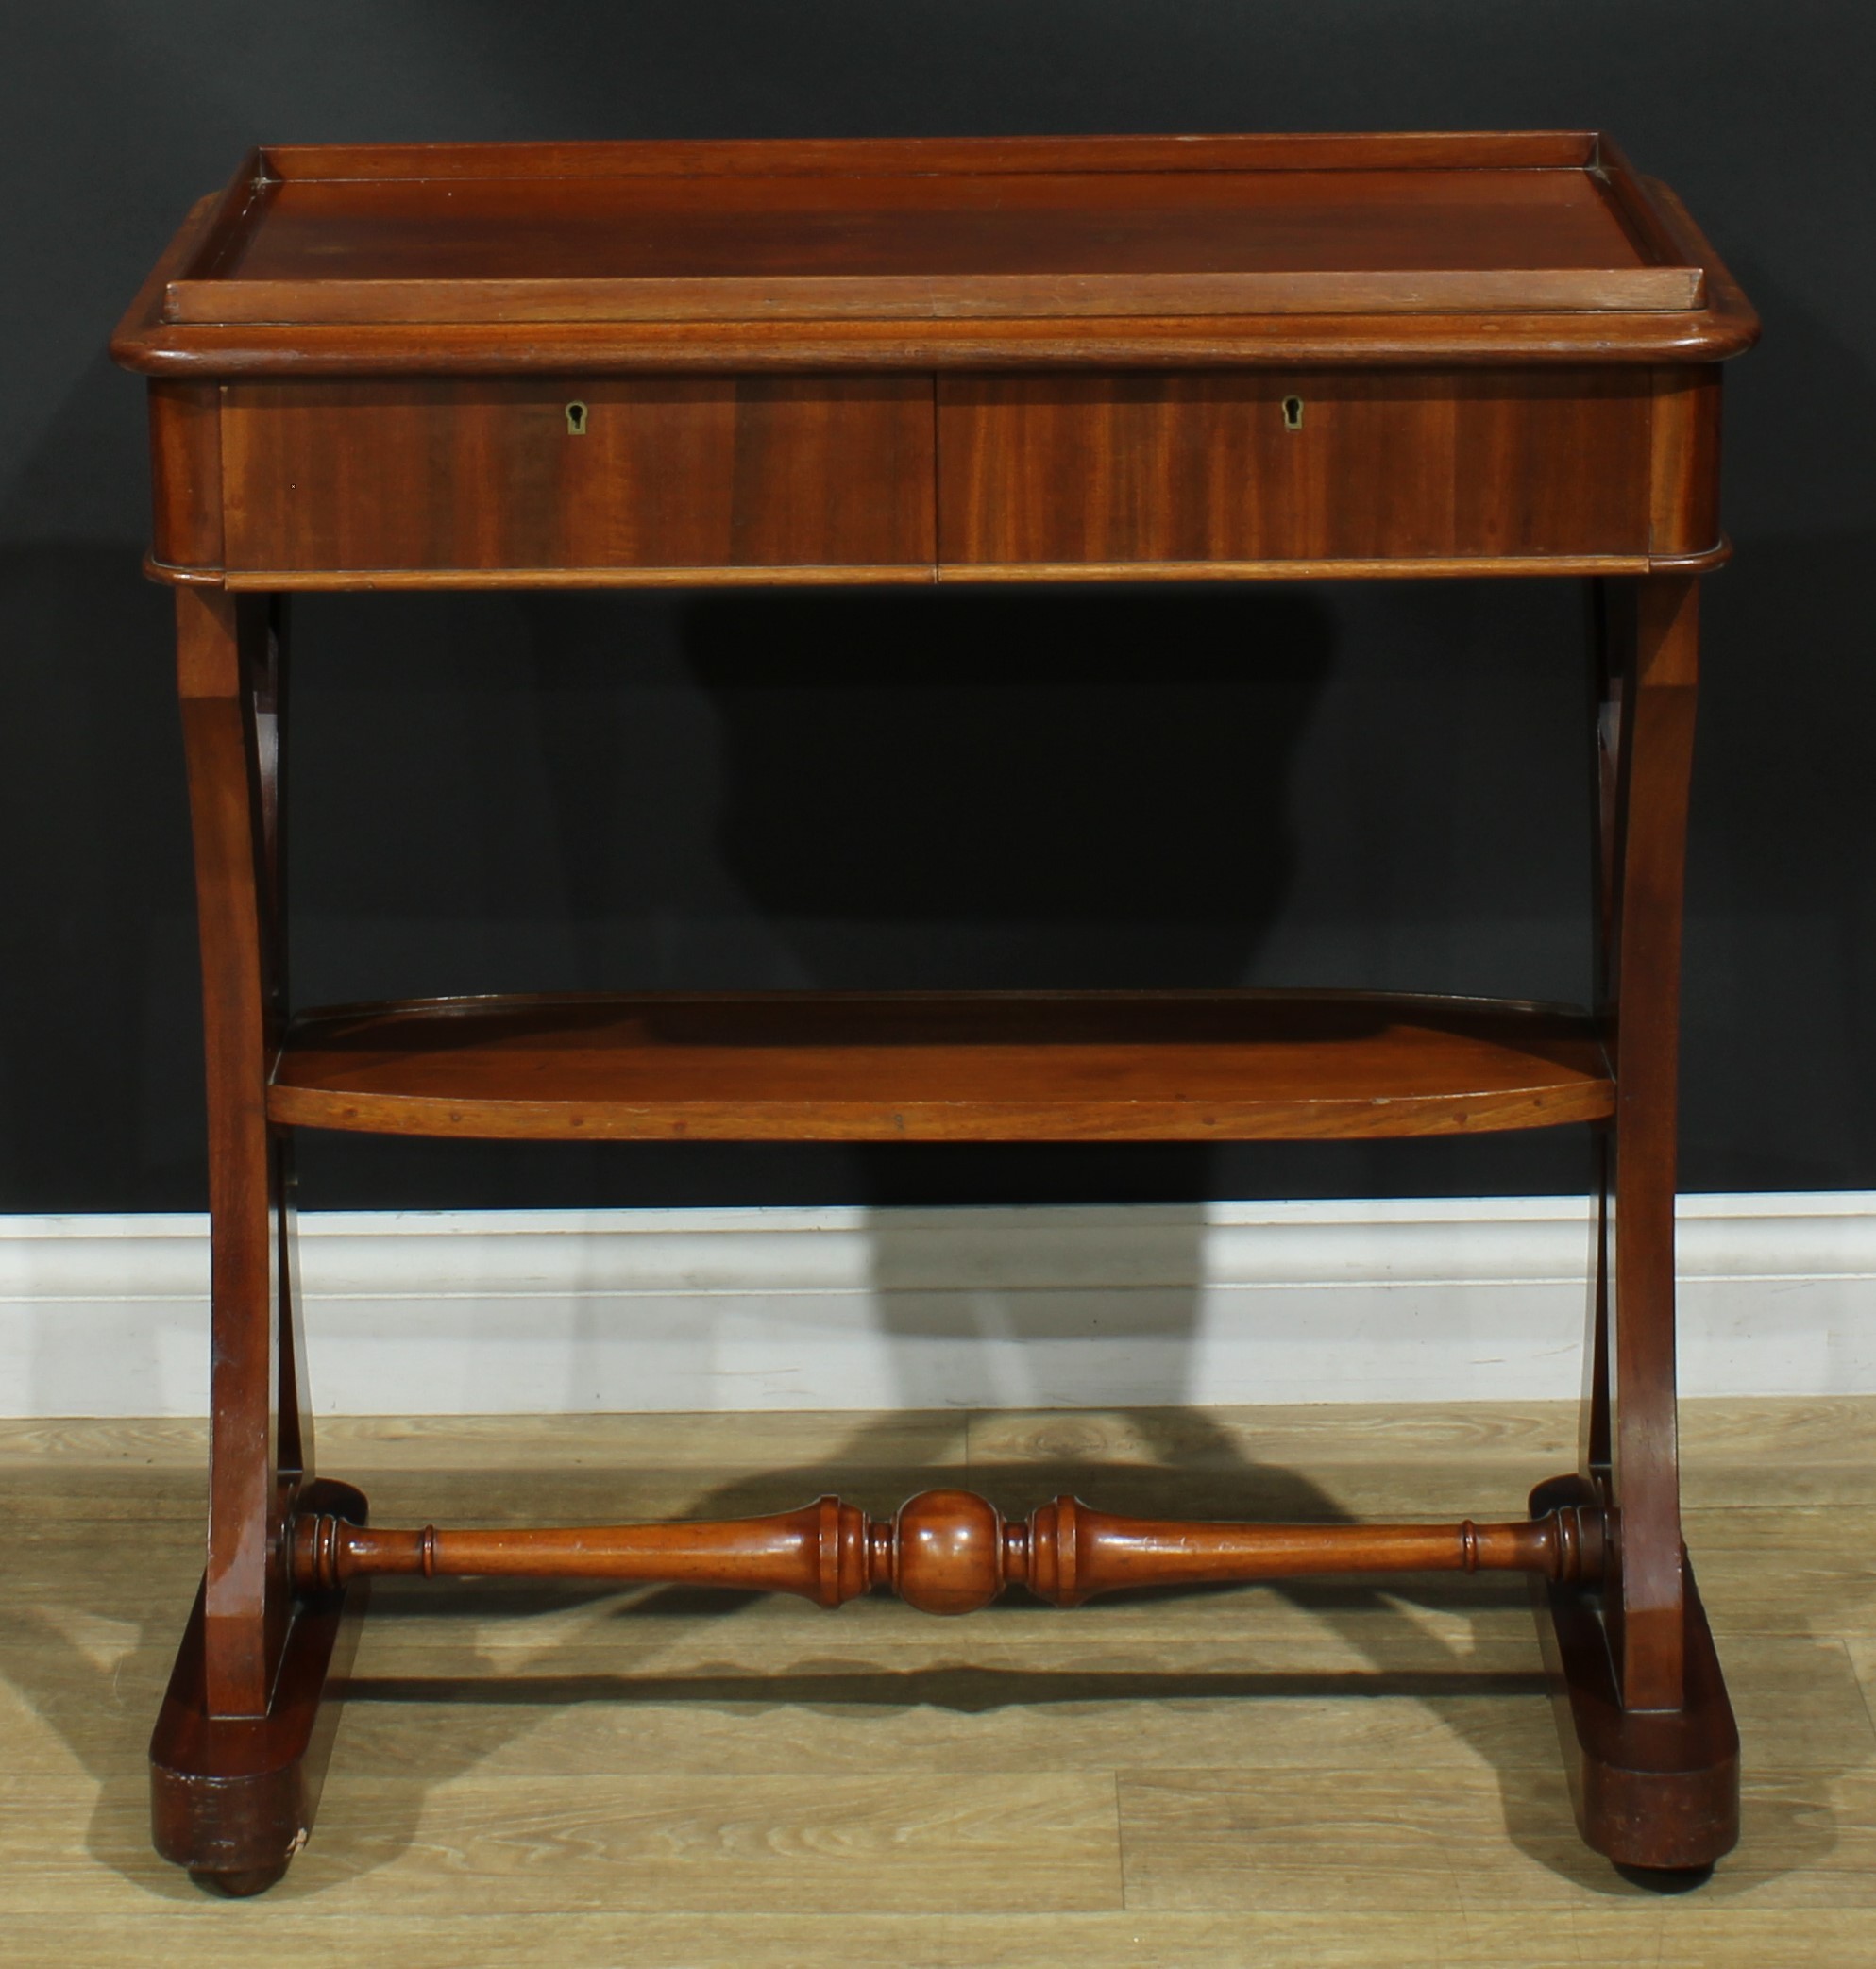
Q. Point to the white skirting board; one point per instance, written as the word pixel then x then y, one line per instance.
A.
pixel 531 1312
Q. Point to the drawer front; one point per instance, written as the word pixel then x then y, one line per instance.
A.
pixel 1062 472
pixel 481 475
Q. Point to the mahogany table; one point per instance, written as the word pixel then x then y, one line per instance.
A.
pixel 1244 358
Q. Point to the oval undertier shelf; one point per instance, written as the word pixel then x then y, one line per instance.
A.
pixel 943 1067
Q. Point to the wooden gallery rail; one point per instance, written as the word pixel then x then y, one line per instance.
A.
pixel 1079 359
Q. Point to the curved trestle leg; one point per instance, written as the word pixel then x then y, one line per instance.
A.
pixel 1648 1733
pixel 236 1755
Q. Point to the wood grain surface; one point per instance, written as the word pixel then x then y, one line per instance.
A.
pixel 1194 468
pixel 483 483
pixel 429 258
pixel 476 474
pixel 224 658
pixel 938 1066
pixel 943 1552
pixel 861 238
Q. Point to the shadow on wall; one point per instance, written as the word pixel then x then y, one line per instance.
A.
pixel 1779 1034
pixel 1780 1012
pixel 870 788
pixel 100 1060
pixel 1094 788
pixel 1075 789
pixel 1079 788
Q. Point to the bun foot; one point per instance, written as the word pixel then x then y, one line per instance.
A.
pixel 1666 1880
pixel 239 1886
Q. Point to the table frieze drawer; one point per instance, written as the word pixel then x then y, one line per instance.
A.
pixel 1085 471
pixel 479 476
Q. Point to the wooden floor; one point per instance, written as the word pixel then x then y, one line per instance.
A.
pixel 1322 1775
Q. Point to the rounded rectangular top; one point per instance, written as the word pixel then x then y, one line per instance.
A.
pixel 919 252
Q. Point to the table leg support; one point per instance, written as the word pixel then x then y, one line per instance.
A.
pixel 1648 1734
pixel 1653 631
pixel 1656 1790
pixel 1647 1731
pixel 232 1797
pixel 233 1760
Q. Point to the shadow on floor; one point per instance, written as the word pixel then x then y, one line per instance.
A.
pixel 88 1649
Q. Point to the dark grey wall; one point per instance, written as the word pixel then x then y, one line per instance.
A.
pixel 1338 785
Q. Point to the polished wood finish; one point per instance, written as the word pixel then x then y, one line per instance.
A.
pixel 1166 477
pixel 232 1796
pixel 1428 567
pixel 1394 466
pixel 1683 475
pixel 943 1067
pixel 994 156
pixel 1656 1788
pixel 950 1552
pixel 921 243
pixel 186 474
pixel 380 484
pixel 224 659
pixel 285 580
pixel 710 473
pixel 1652 669
pixel 1244 235
pixel 1270 358
pixel 1479 246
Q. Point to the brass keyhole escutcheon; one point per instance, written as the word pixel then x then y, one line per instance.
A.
pixel 1292 414
pixel 576 420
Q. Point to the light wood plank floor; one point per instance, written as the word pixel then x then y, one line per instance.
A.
pixel 1325 1775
